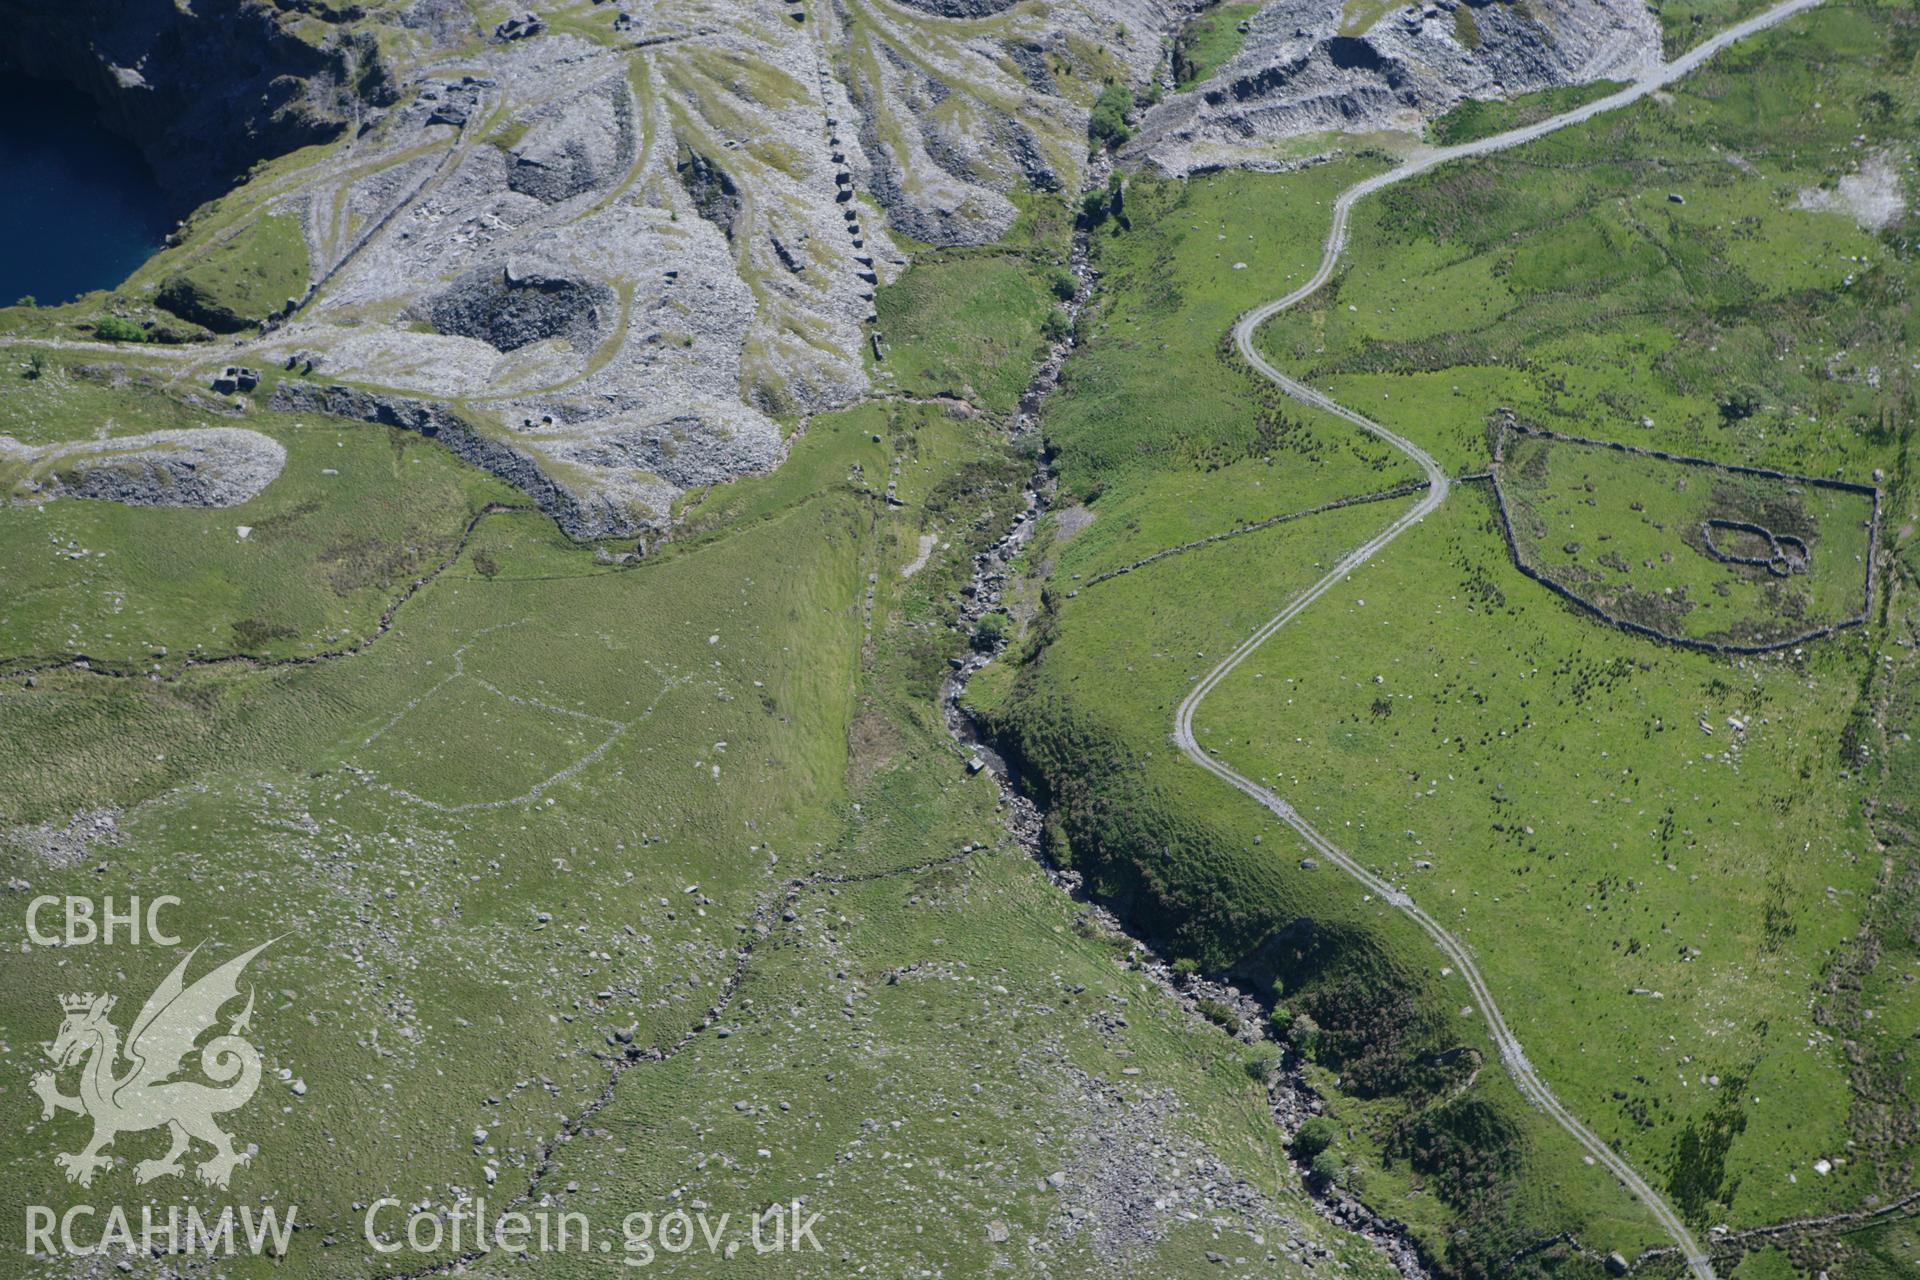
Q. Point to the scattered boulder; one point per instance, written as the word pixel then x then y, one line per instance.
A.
pixel 699 444
pixel 68 846
pixel 519 28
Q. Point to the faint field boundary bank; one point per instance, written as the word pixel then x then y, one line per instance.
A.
pixel 1398 491
pixel 32 666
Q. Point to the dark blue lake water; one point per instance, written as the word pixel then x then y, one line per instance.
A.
pixel 79 209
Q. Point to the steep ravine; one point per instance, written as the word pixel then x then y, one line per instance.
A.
pixel 1291 1098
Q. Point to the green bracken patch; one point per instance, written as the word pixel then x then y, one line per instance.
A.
pixel 1107 125
pixel 118 329
pixel 1208 40
pixel 1476 118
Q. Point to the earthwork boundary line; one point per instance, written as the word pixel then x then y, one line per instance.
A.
pixel 1398 491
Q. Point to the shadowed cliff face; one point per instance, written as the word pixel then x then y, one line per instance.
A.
pixel 79 209
pixel 205 92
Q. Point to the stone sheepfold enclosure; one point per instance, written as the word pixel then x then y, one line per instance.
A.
pixel 1714 556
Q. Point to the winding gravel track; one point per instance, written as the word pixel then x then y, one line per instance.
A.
pixel 1524 1076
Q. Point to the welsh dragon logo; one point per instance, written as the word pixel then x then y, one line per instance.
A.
pixel 146 1096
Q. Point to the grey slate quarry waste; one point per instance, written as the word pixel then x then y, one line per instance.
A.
pixel 1297 73
pixel 635 283
pixel 195 467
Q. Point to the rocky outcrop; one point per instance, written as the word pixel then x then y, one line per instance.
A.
pixel 202 467
pixel 1297 74
pixel 712 189
pixel 204 90
pixel 190 301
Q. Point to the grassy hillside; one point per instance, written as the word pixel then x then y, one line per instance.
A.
pixel 1166 441
pixel 616 887
pixel 1661 859
pixel 1208 40
pixel 968 327
pixel 356 515
pixel 241 278
pixel 1474 118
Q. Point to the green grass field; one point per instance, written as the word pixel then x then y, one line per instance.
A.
pixel 1153 401
pixel 241 278
pixel 968 327
pixel 356 515
pixel 1635 873
pixel 1476 118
